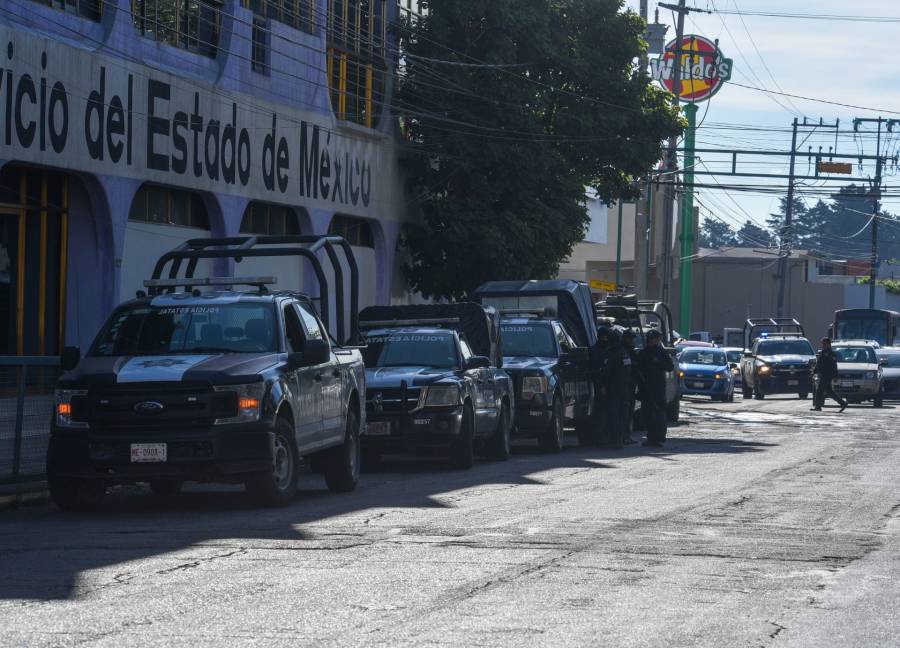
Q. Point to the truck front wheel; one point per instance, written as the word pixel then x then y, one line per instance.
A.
pixel 462 454
pixel 278 485
pixel 552 437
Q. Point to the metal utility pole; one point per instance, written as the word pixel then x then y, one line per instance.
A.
pixel 619 247
pixel 787 229
pixel 876 196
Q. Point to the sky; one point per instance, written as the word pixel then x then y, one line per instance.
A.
pixel 842 61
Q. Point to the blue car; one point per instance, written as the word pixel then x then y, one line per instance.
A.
pixel 706 372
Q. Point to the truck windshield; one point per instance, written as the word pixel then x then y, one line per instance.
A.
pixel 703 357
pixel 871 328
pixel 190 328
pixel 734 355
pixel 855 355
pixel 528 340
pixel 401 349
pixel 784 347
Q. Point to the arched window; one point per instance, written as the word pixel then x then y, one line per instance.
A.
pixel 90 9
pixel 167 206
pixel 189 24
pixel 356 231
pixel 267 219
pixel 356 59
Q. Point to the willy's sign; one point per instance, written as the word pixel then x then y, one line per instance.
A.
pixel 703 68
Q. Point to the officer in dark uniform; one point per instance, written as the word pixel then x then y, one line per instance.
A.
pixel 598 356
pixel 628 339
pixel 653 364
pixel 615 376
pixel 827 370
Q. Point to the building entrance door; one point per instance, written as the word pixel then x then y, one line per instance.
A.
pixel 33 251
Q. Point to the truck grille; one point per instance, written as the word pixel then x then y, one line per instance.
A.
pixel 390 400
pixel 116 407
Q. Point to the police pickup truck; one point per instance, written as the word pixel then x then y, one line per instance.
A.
pixel 434 382
pixel 547 330
pixel 777 359
pixel 215 385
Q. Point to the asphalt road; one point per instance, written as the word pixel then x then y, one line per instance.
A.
pixel 760 524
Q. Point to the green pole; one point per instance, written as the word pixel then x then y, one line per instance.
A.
pixel 619 248
pixel 687 220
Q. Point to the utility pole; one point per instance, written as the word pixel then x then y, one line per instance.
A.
pixel 787 228
pixel 619 247
pixel 876 196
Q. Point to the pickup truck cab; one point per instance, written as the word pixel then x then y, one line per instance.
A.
pixel 435 383
pixel 547 330
pixel 777 364
pixel 213 386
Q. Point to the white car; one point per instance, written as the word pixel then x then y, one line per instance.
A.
pixel 859 376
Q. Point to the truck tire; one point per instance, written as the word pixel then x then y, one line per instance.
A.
pixel 278 485
pixel 497 448
pixel 552 439
pixel 878 401
pixel 757 394
pixel 746 392
pixel 343 462
pixel 75 495
pixel 462 452
pixel 673 411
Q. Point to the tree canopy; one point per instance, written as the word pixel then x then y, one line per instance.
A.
pixel 511 108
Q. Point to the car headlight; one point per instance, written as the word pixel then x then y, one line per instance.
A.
pixel 718 376
pixel 681 374
pixel 248 401
pixel 442 396
pixel 66 405
pixel 533 386
pixel 871 375
pixel 763 368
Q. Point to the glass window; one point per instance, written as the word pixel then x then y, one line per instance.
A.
pixel 267 219
pixel 873 328
pixel 158 204
pixel 356 231
pixel 856 355
pixel 892 360
pixel 784 347
pixel 310 323
pixel 293 330
pixel 188 328
pixel 734 356
pixel 190 24
pixel 91 9
pixel 528 339
pixel 356 59
pixel 704 357
pixel 465 350
pixel 410 349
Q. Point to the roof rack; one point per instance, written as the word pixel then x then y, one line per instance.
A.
pixel 773 326
pixel 240 247
pixel 260 282
pixel 437 321
pixel 535 312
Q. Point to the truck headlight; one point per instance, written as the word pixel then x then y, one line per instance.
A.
pixel 442 396
pixel 248 400
pixel 533 386
pixel 871 375
pixel 763 368
pixel 66 401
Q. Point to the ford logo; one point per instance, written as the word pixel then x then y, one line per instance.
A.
pixel 149 407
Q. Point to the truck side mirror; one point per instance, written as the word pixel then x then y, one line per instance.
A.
pixel 315 352
pixel 478 362
pixel 70 358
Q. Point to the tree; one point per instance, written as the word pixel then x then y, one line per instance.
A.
pixel 776 221
pixel 752 235
pixel 512 108
pixel 715 234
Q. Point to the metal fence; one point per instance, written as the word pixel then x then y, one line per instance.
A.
pixel 26 410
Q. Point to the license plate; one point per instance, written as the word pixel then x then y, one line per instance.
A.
pixel 697 385
pixel 536 413
pixel 148 452
pixel 378 428
pixel 845 383
pixel 792 383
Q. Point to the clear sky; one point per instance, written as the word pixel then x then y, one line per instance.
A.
pixel 840 60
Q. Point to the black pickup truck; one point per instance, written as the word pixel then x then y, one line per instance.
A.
pixel 547 330
pixel 778 359
pixel 211 385
pixel 435 383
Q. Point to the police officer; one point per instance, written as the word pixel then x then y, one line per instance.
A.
pixel 628 339
pixel 827 370
pixel 615 377
pixel 598 357
pixel 653 364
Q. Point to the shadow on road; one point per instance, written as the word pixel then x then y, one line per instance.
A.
pixel 43 552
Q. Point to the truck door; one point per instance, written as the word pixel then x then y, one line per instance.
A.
pixel 568 372
pixel 306 391
pixel 328 376
pixel 485 411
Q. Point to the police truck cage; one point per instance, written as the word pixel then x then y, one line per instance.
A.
pixel 537 313
pixel 186 256
pixel 756 327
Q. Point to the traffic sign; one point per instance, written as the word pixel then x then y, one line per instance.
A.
pixel 834 167
pixel 703 68
pixel 605 286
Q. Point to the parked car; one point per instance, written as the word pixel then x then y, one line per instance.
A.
pixel 706 372
pixel 889 358
pixel 224 385
pixel 860 375
pixel 435 382
pixel 547 330
pixel 734 356
pixel 777 363
pixel 681 345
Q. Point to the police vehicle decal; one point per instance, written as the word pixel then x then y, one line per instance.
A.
pixel 158 368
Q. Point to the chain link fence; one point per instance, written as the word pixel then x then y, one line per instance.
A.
pixel 26 409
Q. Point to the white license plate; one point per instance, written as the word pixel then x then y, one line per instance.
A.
pixel 536 413
pixel 378 428
pixel 698 385
pixel 845 383
pixel 792 383
pixel 148 452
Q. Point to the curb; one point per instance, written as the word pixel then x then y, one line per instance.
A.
pixel 29 498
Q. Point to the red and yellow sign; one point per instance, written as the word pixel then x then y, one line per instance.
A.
pixel 703 68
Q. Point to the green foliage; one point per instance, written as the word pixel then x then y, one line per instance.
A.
pixel 499 156
pixel 716 235
pixel 891 285
pixel 752 235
